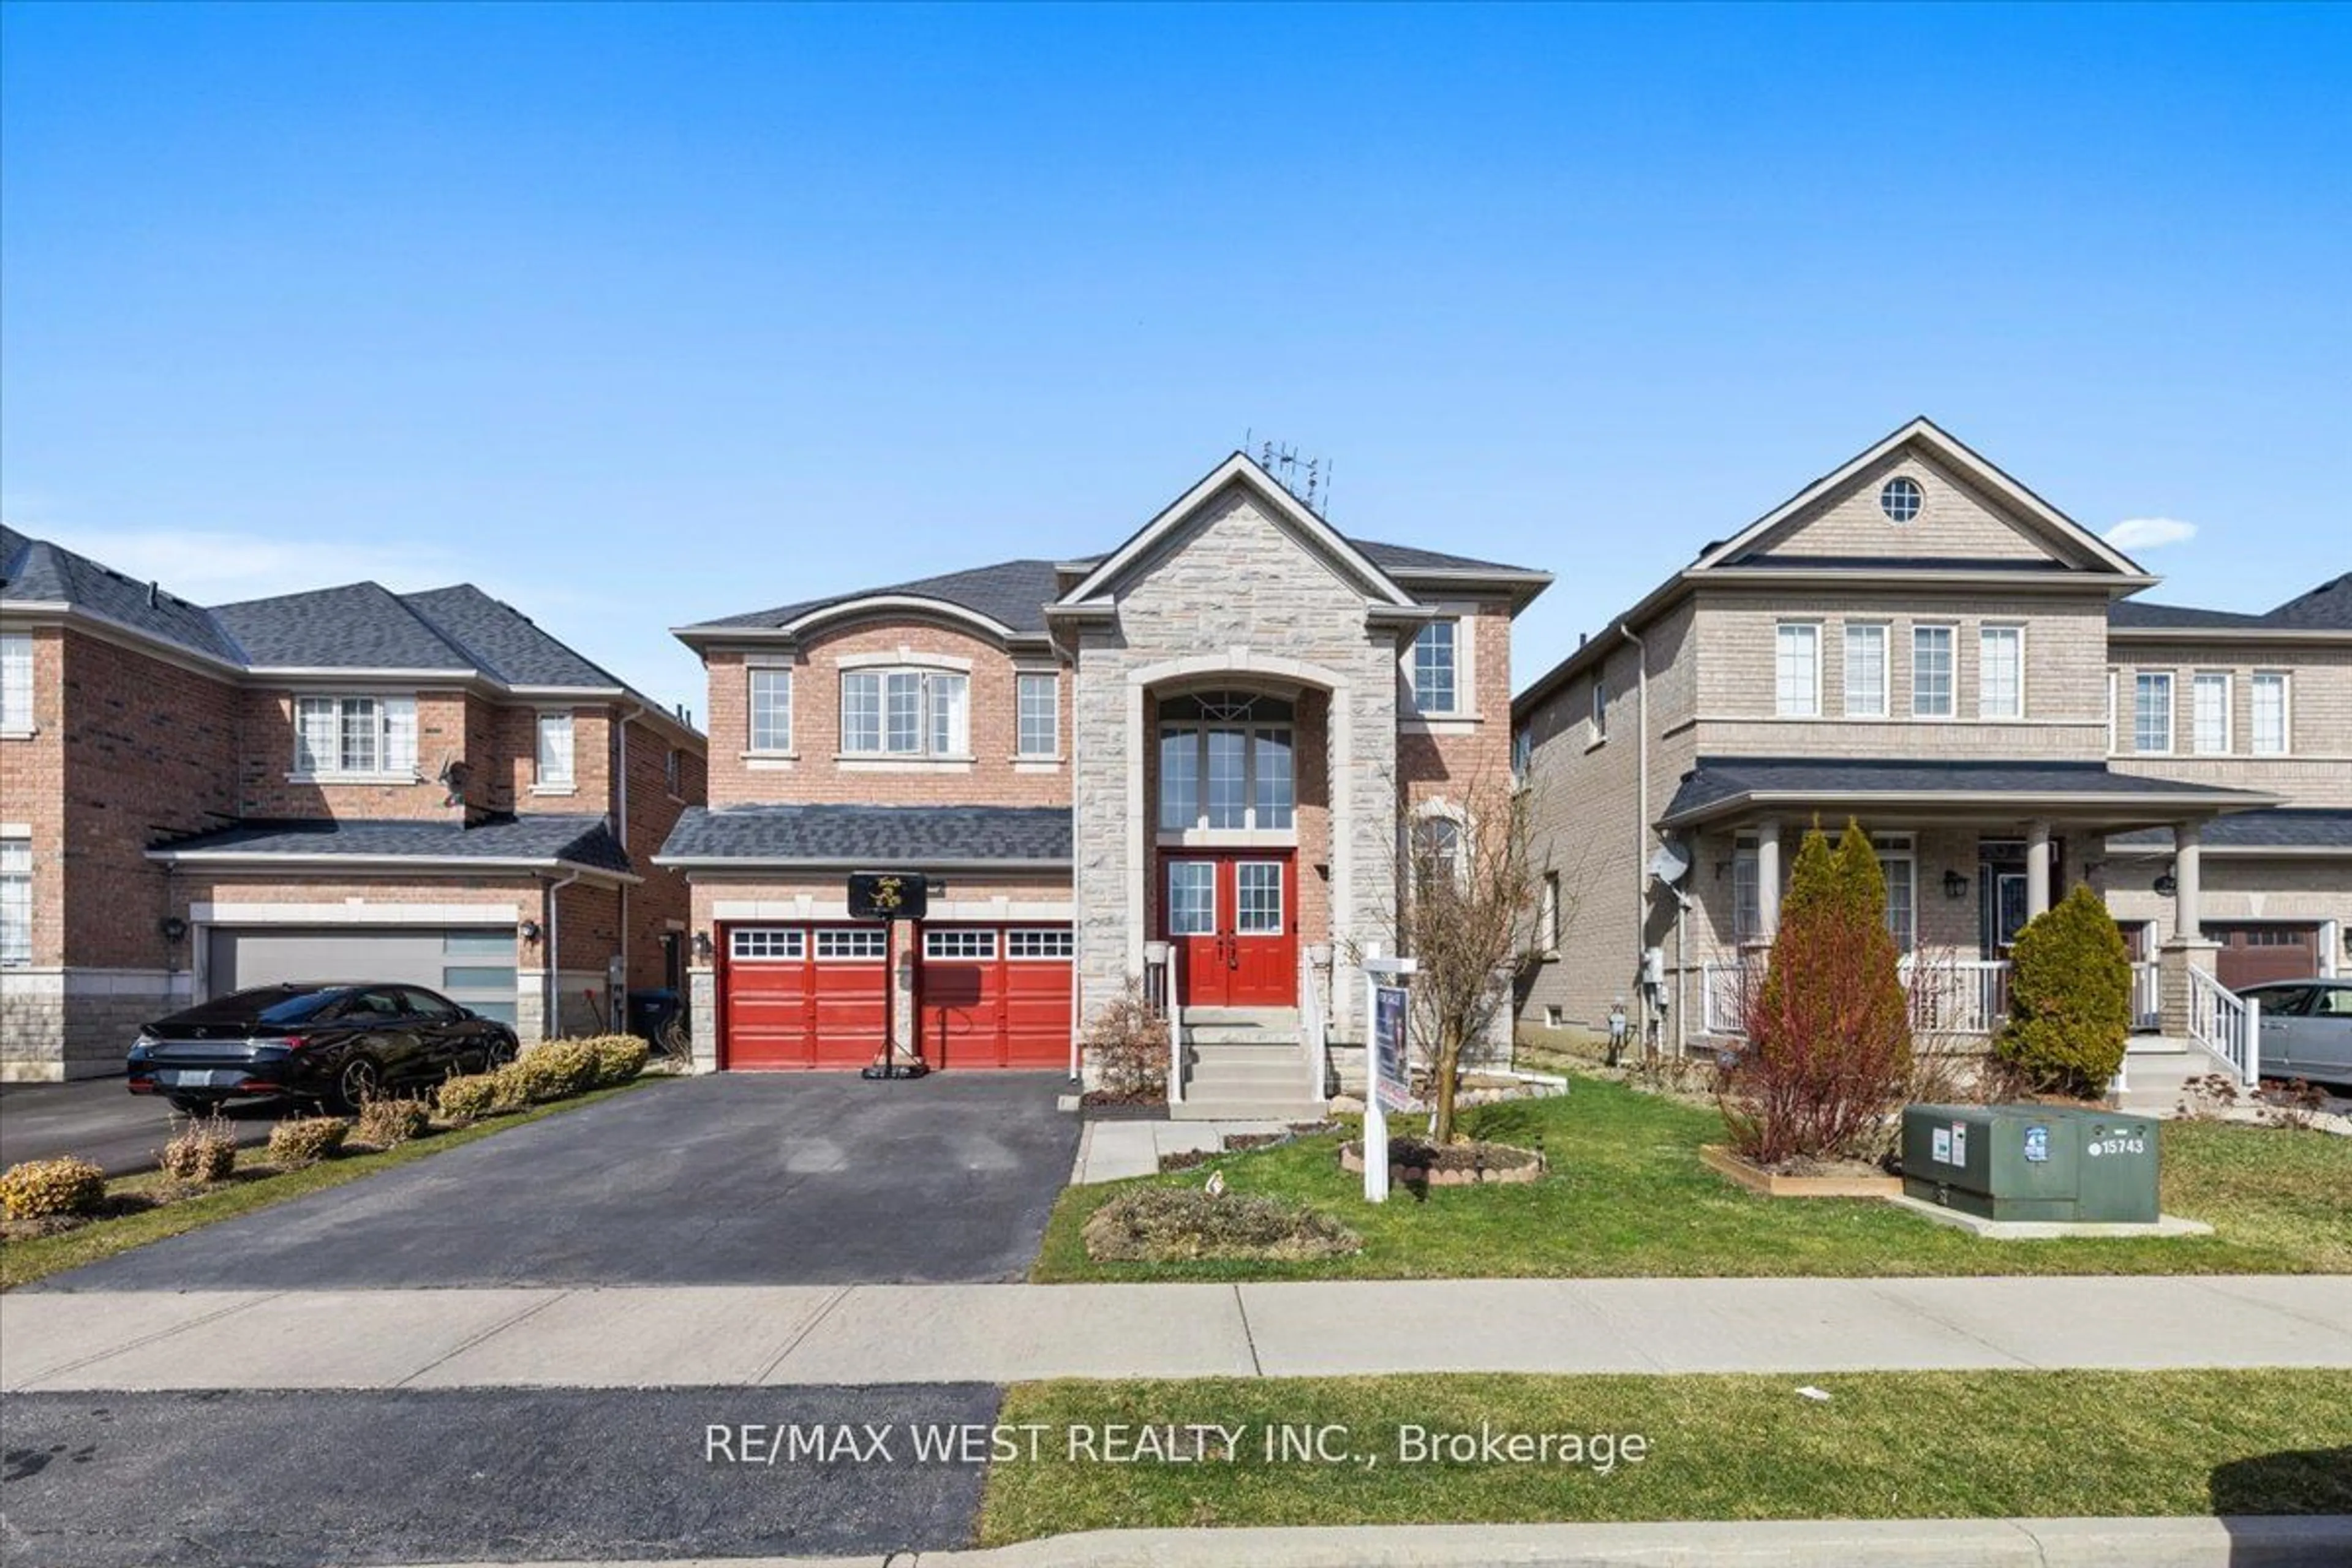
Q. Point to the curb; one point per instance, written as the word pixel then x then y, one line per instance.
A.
pixel 2274 1541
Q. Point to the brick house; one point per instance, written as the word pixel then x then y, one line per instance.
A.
pixel 1187 764
pixel 1919 642
pixel 422 787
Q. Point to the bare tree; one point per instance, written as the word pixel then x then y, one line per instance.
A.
pixel 1466 915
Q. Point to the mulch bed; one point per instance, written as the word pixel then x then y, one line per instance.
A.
pixel 1418 1164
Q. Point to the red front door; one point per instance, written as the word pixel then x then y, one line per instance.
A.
pixel 1232 925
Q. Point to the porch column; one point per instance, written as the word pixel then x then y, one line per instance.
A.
pixel 2037 870
pixel 2187 865
pixel 1768 879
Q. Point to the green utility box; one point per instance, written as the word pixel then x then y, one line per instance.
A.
pixel 2031 1162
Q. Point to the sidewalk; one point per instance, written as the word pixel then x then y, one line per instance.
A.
pixel 757 1336
pixel 1749 1543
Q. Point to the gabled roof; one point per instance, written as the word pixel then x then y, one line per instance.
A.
pixel 532 839
pixel 502 641
pixel 1011 595
pixel 880 836
pixel 1719 786
pixel 1286 509
pixel 36 572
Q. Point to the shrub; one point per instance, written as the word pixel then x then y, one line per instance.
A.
pixel 2070 1008
pixel 386 1122
pixel 553 1069
pixel 1829 1032
pixel 466 1098
pixel 1127 1040
pixel 619 1057
pixel 40 1189
pixel 305 1139
pixel 1160 1225
pixel 205 1151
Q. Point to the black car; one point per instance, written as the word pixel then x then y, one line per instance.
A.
pixel 335 1044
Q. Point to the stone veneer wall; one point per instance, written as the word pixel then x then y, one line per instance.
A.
pixel 1233 593
pixel 77 1022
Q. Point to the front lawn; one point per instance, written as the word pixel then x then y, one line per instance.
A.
pixel 1628 1197
pixel 256 1185
pixel 1882 1446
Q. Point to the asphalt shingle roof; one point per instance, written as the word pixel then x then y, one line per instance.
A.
pixel 1014 593
pixel 35 571
pixel 880 835
pixel 2282 827
pixel 1719 779
pixel 1408 558
pixel 361 625
pixel 548 837
pixel 2326 608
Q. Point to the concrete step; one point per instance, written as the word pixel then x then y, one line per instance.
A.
pixel 1249 1017
pixel 1286 1073
pixel 1296 1109
pixel 1241 1034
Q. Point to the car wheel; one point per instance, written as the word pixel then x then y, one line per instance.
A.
pixel 499 1052
pixel 360 1081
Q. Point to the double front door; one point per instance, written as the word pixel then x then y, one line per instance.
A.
pixel 1232 925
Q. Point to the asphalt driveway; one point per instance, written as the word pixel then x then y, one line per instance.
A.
pixel 775 1179
pixel 101 1120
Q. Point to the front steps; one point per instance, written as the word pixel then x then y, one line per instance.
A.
pixel 2155 1070
pixel 1244 1064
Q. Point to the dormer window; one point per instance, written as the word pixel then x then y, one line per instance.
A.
pixel 1899 499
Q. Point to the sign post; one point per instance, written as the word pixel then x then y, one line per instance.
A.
pixel 1388 1039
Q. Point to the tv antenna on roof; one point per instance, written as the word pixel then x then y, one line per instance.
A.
pixel 1308 479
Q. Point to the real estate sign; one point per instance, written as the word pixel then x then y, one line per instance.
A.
pixel 1391 1057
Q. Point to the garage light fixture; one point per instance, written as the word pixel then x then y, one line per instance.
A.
pixel 173 928
pixel 529 930
pixel 702 948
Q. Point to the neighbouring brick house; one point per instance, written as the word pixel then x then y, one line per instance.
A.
pixel 1919 642
pixel 1189 763
pixel 349 782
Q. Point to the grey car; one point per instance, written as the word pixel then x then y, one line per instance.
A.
pixel 2306 1028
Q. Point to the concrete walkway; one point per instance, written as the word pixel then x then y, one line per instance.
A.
pixel 1113 1151
pixel 2322 1541
pixel 737 1336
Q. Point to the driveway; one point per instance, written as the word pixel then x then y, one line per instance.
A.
pixel 774 1179
pixel 102 1121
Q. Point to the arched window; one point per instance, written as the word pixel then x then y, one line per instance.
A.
pixel 1227 761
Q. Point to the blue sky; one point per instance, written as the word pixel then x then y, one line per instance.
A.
pixel 641 316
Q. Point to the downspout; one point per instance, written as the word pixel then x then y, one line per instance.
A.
pixel 1641 811
pixel 1078 898
pixel 551 1005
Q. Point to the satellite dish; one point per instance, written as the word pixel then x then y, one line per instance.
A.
pixel 1669 865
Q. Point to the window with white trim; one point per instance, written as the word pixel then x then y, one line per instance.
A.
pixel 1931 672
pixel 1898 863
pixel 1226 762
pixel 957 943
pixel 1439 849
pixel 770 710
pixel 1865 670
pixel 2152 710
pixel 2267 697
pixel 1039 720
pixel 1435 665
pixel 15 900
pixel 16 683
pixel 358 736
pixel 852 942
pixel 555 751
pixel 754 943
pixel 1797 669
pixel 1746 891
pixel 2209 712
pixel 1547 914
pixel 1600 707
pixel 1027 945
pixel 905 714
pixel 2000 672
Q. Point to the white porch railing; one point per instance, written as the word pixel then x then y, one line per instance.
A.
pixel 1314 1031
pixel 1948 996
pixel 2230 1026
pixel 2147 996
pixel 1156 996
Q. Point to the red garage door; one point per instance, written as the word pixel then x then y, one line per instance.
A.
pixel 2252 953
pixel 802 996
pixel 995 997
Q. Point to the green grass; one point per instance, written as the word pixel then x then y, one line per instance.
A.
pixel 1627 1195
pixel 1886 1446
pixel 35 1257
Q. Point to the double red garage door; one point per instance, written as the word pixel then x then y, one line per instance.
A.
pixel 818 995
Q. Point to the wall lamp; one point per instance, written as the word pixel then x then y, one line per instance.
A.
pixel 173 928
pixel 1955 885
pixel 529 930
pixel 2167 883
pixel 702 948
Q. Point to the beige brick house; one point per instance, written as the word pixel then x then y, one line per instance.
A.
pixel 346 784
pixel 1186 763
pixel 1919 642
